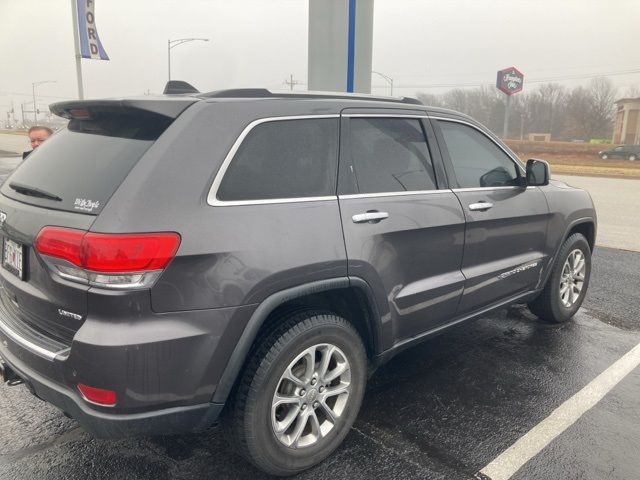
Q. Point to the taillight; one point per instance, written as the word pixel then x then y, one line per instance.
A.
pixel 107 259
pixel 99 396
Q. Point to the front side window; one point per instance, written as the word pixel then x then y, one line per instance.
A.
pixel 477 160
pixel 390 155
pixel 284 159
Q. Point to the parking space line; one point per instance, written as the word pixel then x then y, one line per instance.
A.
pixel 532 443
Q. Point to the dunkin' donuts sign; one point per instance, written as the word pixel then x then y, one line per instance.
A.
pixel 510 80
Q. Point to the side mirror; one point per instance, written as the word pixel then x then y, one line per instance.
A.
pixel 537 173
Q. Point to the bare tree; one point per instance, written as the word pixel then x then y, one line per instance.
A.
pixel 583 112
pixel 591 110
pixel 430 99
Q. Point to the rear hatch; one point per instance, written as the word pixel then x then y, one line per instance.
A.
pixel 66 182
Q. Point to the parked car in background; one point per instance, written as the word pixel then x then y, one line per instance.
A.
pixel 630 152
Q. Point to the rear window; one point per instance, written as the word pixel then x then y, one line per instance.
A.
pixel 79 168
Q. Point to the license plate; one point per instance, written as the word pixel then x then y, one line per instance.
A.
pixel 13 257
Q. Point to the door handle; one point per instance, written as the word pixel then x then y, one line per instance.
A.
pixel 369 217
pixel 480 206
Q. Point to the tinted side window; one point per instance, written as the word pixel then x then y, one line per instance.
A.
pixel 390 155
pixel 284 159
pixel 477 161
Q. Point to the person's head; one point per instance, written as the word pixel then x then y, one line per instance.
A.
pixel 38 134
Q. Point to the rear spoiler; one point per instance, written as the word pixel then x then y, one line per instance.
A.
pixel 84 109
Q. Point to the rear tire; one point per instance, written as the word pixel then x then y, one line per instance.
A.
pixel 567 286
pixel 285 415
pixel 633 158
pixel 604 156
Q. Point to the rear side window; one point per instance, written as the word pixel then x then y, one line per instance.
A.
pixel 284 159
pixel 477 160
pixel 390 155
pixel 79 168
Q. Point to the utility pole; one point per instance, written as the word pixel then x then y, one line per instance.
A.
pixel 291 82
pixel 35 108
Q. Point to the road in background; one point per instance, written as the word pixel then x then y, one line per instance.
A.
pixel 11 148
pixel 13 143
pixel 616 200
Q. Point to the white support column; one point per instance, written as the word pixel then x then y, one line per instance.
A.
pixel 340 45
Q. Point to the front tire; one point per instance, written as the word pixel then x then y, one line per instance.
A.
pixel 604 156
pixel 299 394
pixel 633 158
pixel 567 286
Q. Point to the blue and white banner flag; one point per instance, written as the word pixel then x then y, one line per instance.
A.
pixel 90 46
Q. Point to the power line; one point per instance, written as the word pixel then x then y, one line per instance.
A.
pixel 528 81
pixel 29 94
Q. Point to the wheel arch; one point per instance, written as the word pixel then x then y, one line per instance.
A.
pixel 585 226
pixel 349 297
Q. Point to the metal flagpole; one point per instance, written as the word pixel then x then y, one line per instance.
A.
pixel 76 41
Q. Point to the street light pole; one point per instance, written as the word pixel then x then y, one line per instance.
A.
pixel 35 110
pixel 33 91
pixel 387 78
pixel 174 43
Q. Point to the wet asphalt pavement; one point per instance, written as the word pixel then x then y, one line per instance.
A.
pixel 442 410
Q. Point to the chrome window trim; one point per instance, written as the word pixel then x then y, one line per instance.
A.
pixel 30 346
pixel 212 196
pixel 230 203
pixel 392 194
pixel 482 189
pixel 475 127
pixel 384 115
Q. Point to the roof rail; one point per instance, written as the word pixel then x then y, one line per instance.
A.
pixel 264 93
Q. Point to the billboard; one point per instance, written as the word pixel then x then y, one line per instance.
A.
pixel 510 80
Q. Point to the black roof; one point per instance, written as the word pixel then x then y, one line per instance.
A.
pixel 179 87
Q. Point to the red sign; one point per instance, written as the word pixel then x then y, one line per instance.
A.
pixel 510 80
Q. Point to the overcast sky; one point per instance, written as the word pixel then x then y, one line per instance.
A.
pixel 420 43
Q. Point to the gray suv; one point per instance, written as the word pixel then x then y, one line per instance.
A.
pixel 252 257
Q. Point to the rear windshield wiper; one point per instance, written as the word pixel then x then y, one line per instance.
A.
pixel 33 191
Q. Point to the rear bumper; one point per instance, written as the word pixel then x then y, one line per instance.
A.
pixel 164 367
pixel 113 425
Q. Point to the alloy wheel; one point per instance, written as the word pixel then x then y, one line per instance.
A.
pixel 572 277
pixel 311 396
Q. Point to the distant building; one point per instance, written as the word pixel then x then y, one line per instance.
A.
pixel 539 137
pixel 627 127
